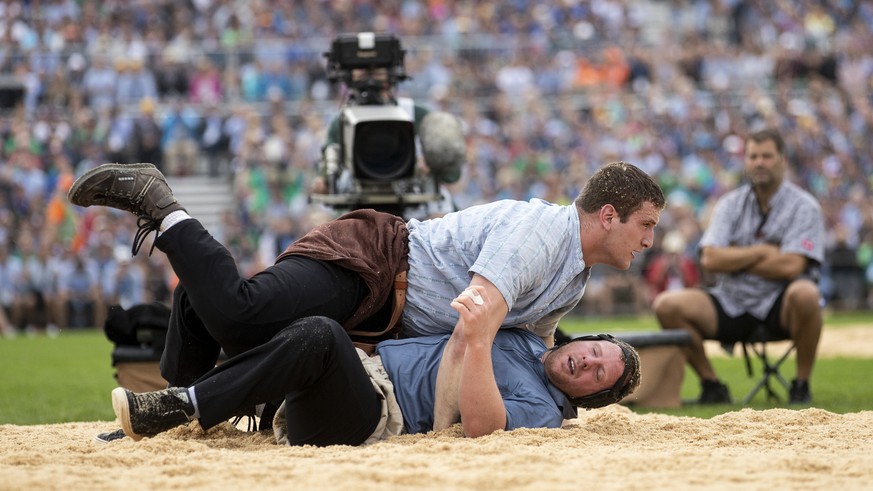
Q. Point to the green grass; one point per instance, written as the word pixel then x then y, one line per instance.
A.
pixel 648 323
pixel 46 380
pixel 69 378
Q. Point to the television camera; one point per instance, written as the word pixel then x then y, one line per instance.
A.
pixel 372 161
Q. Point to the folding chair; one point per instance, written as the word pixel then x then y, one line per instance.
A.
pixel 756 344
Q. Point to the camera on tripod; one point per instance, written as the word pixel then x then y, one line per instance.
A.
pixel 371 160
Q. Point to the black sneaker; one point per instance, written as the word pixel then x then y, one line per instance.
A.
pixel 714 392
pixel 138 188
pixel 799 392
pixel 110 436
pixel 151 413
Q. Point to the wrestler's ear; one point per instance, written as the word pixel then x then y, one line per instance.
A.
pixel 607 215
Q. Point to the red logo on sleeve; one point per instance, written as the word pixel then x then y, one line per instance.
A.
pixel 807 244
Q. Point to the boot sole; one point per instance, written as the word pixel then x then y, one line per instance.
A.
pixel 121 406
pixel 74 189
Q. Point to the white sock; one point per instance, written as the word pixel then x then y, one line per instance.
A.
pixel 193 397
pixel 173 218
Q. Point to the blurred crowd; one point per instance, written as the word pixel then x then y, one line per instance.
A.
pixel 547 91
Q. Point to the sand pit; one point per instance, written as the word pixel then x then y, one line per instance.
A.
pixel 610 448
pixel 604 449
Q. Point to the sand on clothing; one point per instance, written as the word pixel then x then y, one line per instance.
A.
pixel 603 449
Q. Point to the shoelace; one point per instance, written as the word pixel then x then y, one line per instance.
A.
pixel 251 425
pixel 260 417
pixel 145 226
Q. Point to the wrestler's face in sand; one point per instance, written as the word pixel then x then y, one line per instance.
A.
pixel 582 368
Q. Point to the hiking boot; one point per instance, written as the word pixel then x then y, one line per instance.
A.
pixel 799 392
pixel 110 436
pixel 714 392
pixel 138 188
pixel 150 413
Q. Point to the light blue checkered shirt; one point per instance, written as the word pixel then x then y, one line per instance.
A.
pixel 531 251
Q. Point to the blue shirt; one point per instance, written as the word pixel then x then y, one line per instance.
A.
pixel 530 400
pixel 531 251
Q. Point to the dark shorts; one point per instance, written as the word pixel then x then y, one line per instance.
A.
pixel 735 329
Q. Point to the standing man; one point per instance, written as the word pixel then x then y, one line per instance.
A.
pixel 765 241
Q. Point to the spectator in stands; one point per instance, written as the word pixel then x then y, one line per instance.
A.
pixel 120 140
pixel 80 294
pixel 12 280
pixel 43 270
pixel 134 83
pixel 36 278
pixel 204 86
pixel 147 134
pixel 214 141
pixel 765 241
pixel 844 273
pixel 128 285
pixel 171 76
pixel 99 83
pixel 179 138
pixel 103 267
pixel 671 268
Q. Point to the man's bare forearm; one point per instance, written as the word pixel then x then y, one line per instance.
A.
pixel 480 403
pixel 481 310
pixel 446 411
pixel 735 258
pixel 780 267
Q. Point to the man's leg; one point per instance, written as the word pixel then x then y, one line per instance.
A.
pixel 243 312
pixel 238 313
pixel 216 305
pixel 190 350
pixel 694 311
pixel 265 303
pixel 312 364
pixel 801 315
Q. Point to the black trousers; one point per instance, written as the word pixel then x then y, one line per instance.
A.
pixel 215 308
pixel 313 365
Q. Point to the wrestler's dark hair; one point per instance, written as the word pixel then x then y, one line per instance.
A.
pixel 626 383
pixel 624 186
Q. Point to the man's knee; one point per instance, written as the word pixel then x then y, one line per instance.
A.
pixel 317 332
pixel 803 296
pixel 667 305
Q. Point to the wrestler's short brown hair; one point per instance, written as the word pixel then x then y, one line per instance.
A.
pixel 624 186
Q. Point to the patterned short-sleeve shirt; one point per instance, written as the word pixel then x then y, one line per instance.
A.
pixel 794 223
pixel 531 251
